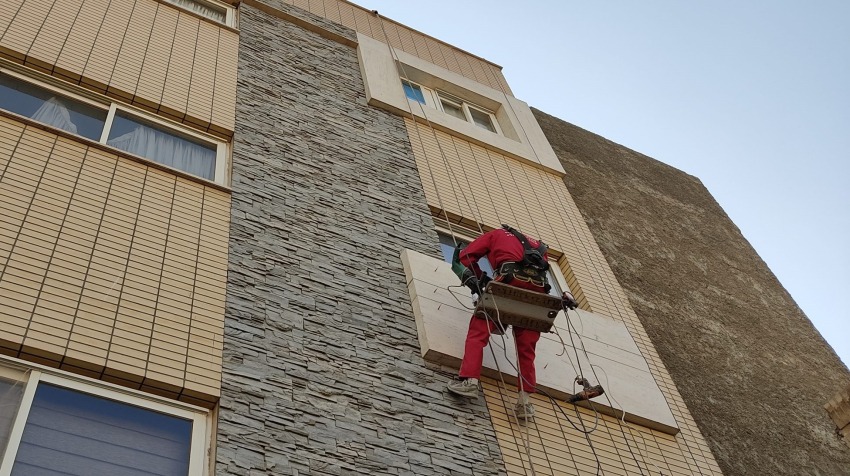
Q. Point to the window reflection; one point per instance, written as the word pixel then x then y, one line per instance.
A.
pixel 164 147
pixel 70 432
pixel 52 109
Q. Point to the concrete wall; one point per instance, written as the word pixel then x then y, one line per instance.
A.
pixel 750 366
pixel 322 367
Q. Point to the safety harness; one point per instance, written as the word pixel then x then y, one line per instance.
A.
pixel 532 268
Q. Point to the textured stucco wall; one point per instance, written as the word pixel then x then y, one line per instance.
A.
pixel 750 366
pixel 322 372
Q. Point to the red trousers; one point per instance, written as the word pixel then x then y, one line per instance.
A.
pixel 479 335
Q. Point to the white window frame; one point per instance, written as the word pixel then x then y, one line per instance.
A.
pixel 33 374
pixel 229 11
pixel 434 99
pixel 111 107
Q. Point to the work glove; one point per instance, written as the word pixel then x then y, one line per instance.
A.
pixel 569 301
pixel 482 282
pixel 469 280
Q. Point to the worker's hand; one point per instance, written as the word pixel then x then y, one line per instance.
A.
pixel 469 280
pixel 482 282
pixel 569 301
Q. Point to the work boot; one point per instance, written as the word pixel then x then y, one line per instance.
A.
pixel 524 411
pixel 464 388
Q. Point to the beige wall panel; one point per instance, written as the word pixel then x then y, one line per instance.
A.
pixel 78 45
pixel 450 56
pixel 224 100
pixel 11 9
pixel 47 45
pixel 392 33
pixel 317 7
pixel 420 41
pixel 346 13
pixel 361 19
pixel 302 4
pixel 332 11
pixel 128 67
pixel 111 35
pixel 109 266
pixel 21 33
pixel 157 56
pixel 199 109
pixel 175 97
pixel 10 134
pixel 435 52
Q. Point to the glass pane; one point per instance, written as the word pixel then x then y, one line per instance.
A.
pixel 556 288
pixel 203 9
pixel 413 92
pixel 49 108
pixel 447 246
pixel 482 119
pixel 155 143
pixel 70 432
pixel 10 400
pixel 453 109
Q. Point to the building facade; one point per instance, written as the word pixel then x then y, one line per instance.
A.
pixel 223 236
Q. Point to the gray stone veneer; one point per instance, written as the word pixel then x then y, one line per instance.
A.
pixel 322 373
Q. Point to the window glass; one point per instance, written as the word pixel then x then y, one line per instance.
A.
pixel 155 143
pixel 453 109
pixel 11 392
pixel 482 119
pixel 550 277
pixel 204 9
pixel 414 92
pixel 447 246
pixel 69 432
pixel 49 108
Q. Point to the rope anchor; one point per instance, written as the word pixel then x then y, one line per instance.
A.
pixel 588 392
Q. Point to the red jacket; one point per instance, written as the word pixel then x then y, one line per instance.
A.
pixel 498 245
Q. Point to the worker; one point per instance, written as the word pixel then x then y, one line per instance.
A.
pixel 518 260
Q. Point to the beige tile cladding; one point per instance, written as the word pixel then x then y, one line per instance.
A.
pixel 126 49
pixel 408 40
pixel 454 173
pixel 110 268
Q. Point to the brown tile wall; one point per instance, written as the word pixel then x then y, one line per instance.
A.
pixel 125 49
pixel 454 173
pixel 110 268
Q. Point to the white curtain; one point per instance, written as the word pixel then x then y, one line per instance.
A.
pixel 201 9
pixel 55 114
pixel 167 150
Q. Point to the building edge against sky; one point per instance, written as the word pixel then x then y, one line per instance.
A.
pixel 221 227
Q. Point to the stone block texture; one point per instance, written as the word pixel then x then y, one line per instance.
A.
pixel 751 367
pixel 322 369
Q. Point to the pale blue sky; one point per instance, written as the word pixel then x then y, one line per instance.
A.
pixel 751 97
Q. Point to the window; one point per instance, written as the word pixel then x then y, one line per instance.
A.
pixel 451 105
pixel 447 246
pixel 65 425
pixel 116 126
pixel 207 9
pixel 52 109
pixel 413 92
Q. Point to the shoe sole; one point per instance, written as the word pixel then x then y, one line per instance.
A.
pixel 462 394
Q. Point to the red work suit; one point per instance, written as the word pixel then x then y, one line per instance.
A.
pixel 499 246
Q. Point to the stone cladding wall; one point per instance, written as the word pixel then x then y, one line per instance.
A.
pixel 322 372
pixel 751 367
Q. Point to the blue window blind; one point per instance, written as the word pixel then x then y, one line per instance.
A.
pixel 413 92
pixel 70 432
